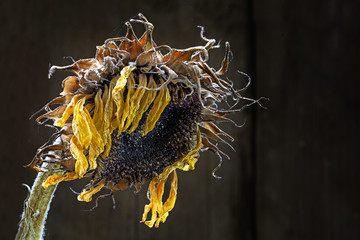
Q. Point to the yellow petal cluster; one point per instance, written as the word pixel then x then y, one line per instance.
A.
pixel 92 134
pixel 159 210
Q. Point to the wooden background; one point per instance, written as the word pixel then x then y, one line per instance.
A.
pixel 294 174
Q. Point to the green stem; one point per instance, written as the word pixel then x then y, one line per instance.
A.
pixel 36 207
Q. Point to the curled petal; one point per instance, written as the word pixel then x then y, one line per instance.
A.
pixel 131 44
pixel 83 64
pixel 86 195
pixel 54 179
pixel 225 61
pixel 160 211
pixel 69 111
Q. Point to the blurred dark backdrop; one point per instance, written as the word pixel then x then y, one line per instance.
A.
pixel 294 174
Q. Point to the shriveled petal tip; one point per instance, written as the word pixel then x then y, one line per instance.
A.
pixel 89 63
pixel 160 211
pixel 37 169
pixel 86 195
pixel 54 179
pixel 170 202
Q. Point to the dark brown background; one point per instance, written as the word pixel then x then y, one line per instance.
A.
pixel 294 174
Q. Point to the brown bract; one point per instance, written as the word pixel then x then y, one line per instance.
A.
pixel 135 113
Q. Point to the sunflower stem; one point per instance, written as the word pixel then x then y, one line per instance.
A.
pixel 36 207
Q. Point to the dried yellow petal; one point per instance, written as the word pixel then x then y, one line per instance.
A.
pixel 170 202
pixel 80 125
pixel 160 102
pixel 118 92
pixel 86 195
pixel 135 100
pixel 69 110
pixel 81 164
pixel 54 179
pixel 160 211
pixel 126 109
pixel 145 103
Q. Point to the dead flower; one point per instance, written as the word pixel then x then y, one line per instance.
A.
pixel 135 113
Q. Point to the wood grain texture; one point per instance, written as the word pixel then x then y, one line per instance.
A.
pixel 307 163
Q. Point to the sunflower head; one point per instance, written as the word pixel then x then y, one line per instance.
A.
pixel 134 114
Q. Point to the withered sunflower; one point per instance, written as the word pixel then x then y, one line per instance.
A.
pixel 135 113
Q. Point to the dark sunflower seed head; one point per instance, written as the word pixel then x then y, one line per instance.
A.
pixel 138 158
